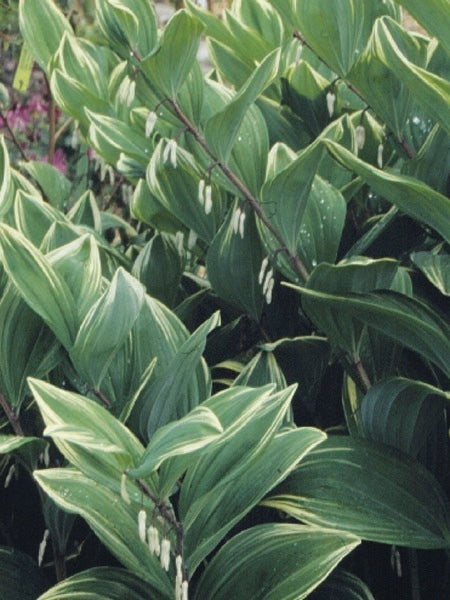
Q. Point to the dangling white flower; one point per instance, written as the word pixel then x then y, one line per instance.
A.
pixel 110 173
pixel 184 590
pixel 179 241
pixel 241 224
pixel 123 489
pixel 208 199
pixel 165 554
pixel 170 153
pixel 179 576
pixel 179 566
pixel 201 191
pixel 142 522
pixel 127 193
pixel 235 219
pixel 150 123
pixel 360 136
pixel 102 170
pixel 9 476
pixel 269 276
pixel 46 455
pixel 192 239
pixel 42 547
pixel 380 156
pixel 153 540
pixel 127 91
pixel 331 99
pixel 269 291
pixel 262 271
pixel 74 139
pixel 298 53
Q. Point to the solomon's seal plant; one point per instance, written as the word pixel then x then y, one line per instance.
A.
pixel 242 380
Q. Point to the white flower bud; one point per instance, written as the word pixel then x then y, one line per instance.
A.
pixel 241 224
pixel 150 123
pixel 46 456
pixel 331 99
pixel 123 489
pixel 264 265
pixel 235 220
pixel 269 291
pixel 170 153
pixel 184 590
pixel 269 276
pixel 380 156
pixel 153 540
pixel 192 239
pixel 201 191
pixel 179 240
pixel 142 522
pixel 42 547
pixel 9 476
pixel 360 135
pixel 165 554
pixel 179 566
pixel 208 199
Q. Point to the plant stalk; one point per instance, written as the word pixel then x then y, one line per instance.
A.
pixel 297 264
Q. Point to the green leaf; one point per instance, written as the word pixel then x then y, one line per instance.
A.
pixel 395 315
pixel 146 207
pixel 304 90
pixel 273 561
pixel 39 284
pixel 129 25
pixel 169 67
pixel 79 264
pixel 159 266
pixel 169 400
pixel 304 361
pixel 34 217
pixel 209 505
pixel 337 41
pixel 111 137
pixel 187 435
pixel 381 87
pixel 176 185
pixel 52 182
pixel 342 585
pixel 234 261
pixel 101 583
pixel 10 443
pixel 79 59
pixel 432 162
pixel 106 327
pixel 74 98
pixel 429 90
pixel 87 434
pixel 433 15
pixel 284 196
pixel 25 337
pixel 6 186
pixel 261 370
pixel 42 25
pixel 221 130
pixel 436 268
pixel 85 212
pixel 395 501
pixel 111 519
pixel 410 195
pixel 356 275
pixel 262 17
pixel 402 413
pixel 20 577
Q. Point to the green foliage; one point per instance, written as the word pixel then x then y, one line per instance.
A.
pixel 277 274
